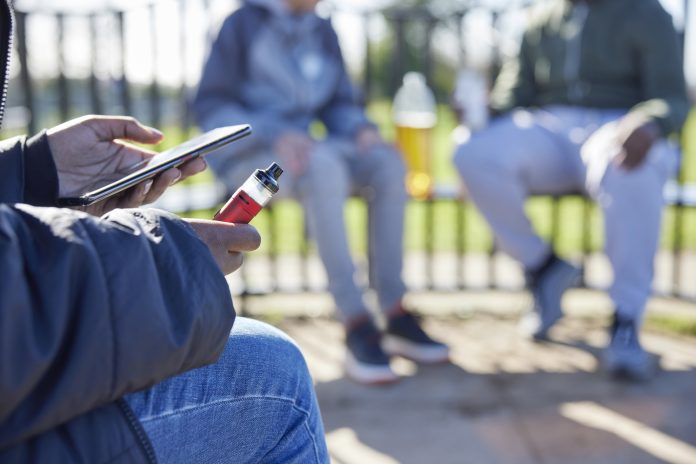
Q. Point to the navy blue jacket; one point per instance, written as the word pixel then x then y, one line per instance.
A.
pixel 91 309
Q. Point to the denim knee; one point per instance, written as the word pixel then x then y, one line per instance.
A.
pixel 271 361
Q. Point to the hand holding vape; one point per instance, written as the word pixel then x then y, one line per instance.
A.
pixel 253 195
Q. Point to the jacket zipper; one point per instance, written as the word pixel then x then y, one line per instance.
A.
pixel 137 429
pixel 7 48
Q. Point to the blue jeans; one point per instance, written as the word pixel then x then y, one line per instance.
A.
pixel 255 404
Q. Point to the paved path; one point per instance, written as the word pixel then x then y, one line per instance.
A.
pixel 506 400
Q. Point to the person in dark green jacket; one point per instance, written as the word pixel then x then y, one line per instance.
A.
pixel 588 105
pixel 115 341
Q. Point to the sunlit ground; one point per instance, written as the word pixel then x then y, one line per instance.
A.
pixel 507 400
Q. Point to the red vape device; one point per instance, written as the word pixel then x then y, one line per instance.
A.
pixel 253 195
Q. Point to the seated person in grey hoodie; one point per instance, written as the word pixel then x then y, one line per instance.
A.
pixel 278 66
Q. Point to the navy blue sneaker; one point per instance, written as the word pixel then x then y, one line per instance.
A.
pixel 405 337
pixel 624 358
pixel 547 285
pixel 366 362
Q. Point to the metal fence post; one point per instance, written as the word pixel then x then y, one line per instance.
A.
pixel 124 91
pixel 95 98
pixel 63 91
pixel 154 93
pixel 24 75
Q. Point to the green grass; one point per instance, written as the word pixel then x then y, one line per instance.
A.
pixel 288 228
pixel 571 210
pixel 287 231
pixel 672 324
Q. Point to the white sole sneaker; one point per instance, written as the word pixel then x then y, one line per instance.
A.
pixel 369 374
pixel 424 354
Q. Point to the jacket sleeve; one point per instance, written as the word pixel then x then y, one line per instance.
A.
pixel 28 171
pixel 218 99
pixel 92 309
pixel 342 115
pixel 661 69
pixel 515 86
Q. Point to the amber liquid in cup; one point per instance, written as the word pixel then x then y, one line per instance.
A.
pixel 416 146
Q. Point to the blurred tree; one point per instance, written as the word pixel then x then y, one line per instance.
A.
pixel 409 47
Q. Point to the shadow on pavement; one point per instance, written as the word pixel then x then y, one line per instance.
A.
pixel 507 400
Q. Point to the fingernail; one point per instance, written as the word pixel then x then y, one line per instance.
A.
pixel 156 132
pixel 146 187
pixel 176 179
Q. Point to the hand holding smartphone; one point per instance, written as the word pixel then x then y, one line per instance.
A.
pixel 174 157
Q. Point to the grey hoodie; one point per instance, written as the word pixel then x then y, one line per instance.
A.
pixel 278 72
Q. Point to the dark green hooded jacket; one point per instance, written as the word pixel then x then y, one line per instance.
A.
pixel 617 54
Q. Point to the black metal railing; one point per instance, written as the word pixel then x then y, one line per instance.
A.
pixel 108 84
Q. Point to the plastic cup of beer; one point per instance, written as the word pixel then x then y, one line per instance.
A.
pixel 414 137
pixel 414 117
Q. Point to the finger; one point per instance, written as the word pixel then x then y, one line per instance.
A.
pixel 131 198
pixel 161 183
pixel 136 196
pixel 231 262
pixel 225 236
pixel 234 237
pixel 123 127
pixel 192 167
pixel 240 237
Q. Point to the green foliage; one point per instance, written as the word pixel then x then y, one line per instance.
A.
pixel 672 324
pixel 383 56
pixel 457 226
pixel 460 229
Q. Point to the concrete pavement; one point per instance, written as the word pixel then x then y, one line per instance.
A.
pixel 504 399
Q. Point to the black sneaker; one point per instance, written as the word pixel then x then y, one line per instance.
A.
pixel 366 362
pixel 405 337
pixel 547 286
pixel 624 358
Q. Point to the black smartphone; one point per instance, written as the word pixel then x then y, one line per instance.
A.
pixel 176 156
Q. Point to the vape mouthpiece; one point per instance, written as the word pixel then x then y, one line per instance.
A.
pixel 269 177
pixel 274 171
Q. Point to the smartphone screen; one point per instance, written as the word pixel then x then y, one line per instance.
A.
pixel 176 156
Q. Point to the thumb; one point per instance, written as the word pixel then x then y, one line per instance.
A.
pixel 123 127
pixel 230 237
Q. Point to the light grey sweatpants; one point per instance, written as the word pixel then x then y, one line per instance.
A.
pixel 556 150
pixel 335 171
